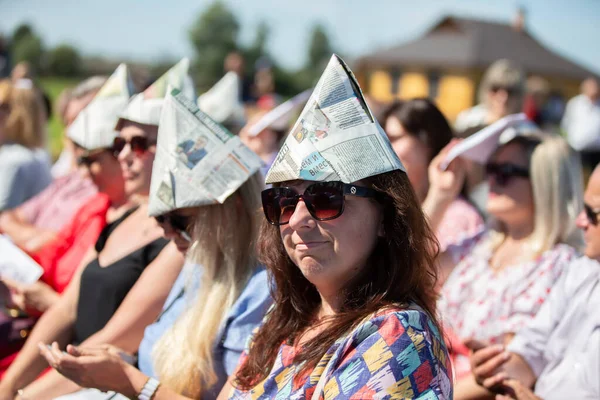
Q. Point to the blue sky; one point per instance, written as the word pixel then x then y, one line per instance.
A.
pixel 154 29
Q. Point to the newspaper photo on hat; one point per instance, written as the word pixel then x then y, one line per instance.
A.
pixel 198 162
pixel 336 137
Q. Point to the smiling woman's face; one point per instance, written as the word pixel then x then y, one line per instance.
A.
pixel 330 253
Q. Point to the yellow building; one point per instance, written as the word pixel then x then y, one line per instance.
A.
pixel 446 64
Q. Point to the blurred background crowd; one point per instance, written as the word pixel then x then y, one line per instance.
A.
pixel 507 229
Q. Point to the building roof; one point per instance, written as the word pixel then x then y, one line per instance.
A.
pixel 467 43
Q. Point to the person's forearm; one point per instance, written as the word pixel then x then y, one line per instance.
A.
pixel 517 368
pixel 434 208
pixel 50 386
pixel 56 325
pixel 19 230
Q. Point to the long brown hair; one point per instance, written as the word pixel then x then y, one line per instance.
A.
pixel 401 270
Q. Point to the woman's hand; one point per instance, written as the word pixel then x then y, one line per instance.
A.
pixel 99 367
pixel 486 362
pixel 34 298
pixel 446 184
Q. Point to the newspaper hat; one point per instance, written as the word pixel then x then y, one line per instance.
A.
pixel 222 101
pixel 198 162
pixel 94 127
pixel 481 145
pixel 279 117
pixel 336 137
pixel 145 107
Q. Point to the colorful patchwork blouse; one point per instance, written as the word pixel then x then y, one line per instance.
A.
pixel 397 354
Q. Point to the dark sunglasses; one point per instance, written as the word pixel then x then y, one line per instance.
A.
pixel 180 223
pixel 139 144
pixel 91 158
pixel 591 214
pixel 503 173
pixel 324 200
pixel 511 91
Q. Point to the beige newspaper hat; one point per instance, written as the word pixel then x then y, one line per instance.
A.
pixel 94 127
pixel 198 162
pixel 481 145
pixel 222 101
pixel 145 107
pixel 336 137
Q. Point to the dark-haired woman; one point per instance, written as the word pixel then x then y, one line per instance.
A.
pixel 418 131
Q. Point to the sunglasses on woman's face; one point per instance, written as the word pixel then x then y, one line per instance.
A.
pixel 591 214
pixel 324 201
pixel 179 223
pixel 139 144
pixel 510 91
pixel 505 172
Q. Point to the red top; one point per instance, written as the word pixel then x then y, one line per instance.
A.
pixel 61 257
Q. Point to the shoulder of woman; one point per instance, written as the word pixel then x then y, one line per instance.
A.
pixel 399 324
pixel 15 154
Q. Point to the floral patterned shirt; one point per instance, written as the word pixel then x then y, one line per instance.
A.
pixel 478 302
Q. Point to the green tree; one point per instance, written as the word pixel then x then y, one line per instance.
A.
pixel 319 53
pixel 213 36
pixel 29 49
pixel 63 60
pixel 258 48
pixel 22 31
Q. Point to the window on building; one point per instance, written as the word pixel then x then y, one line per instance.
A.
pixel 395 76
pixel 434 85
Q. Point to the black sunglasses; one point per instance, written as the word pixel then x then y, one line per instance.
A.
pixel 591 214
pixel 180 223
pixel 139 144
pixel 324 200
pixel 91 158
pixel 511 91
pixel 504 172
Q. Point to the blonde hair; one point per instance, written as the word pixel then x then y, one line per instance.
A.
pixel 557 186
pixel 224 245
pixel 25 122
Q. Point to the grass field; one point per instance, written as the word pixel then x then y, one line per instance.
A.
pixel 53 87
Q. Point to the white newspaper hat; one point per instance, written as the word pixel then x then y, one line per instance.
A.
pixel 222 101
pixel 336 137
pixel 279 117
pixel 198 162
pixel 481 145
pixel 145 107
pixel 94 127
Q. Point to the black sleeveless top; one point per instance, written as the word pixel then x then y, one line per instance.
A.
pixel 104 288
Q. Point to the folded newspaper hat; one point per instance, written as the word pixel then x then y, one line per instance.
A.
pixel 336 137
pixel 481 145
pixel 198 162
pixel 145 107
pixel 279 118
pixel 94 127
pixel 222 101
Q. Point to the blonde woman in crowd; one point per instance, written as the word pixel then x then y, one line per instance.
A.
pixel 216 302
pixel 498 279
pixel 24 164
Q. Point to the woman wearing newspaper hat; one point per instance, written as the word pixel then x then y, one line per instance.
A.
pixel 352 258
pixel 197 340
pixel 498 279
